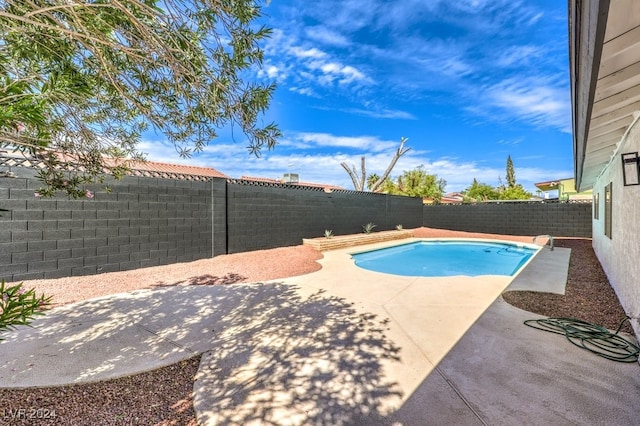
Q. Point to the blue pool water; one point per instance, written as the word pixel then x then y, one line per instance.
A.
pixel 446 258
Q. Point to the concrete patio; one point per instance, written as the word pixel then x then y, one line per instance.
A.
pixel 339 346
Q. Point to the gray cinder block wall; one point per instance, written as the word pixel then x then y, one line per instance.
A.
pixel 263 216
pixel 141 222
pixel 560 219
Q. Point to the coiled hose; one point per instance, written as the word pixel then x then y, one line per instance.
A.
pixel 591 337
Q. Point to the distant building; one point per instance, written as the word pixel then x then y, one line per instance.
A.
pixel 449 198
pixel 566 190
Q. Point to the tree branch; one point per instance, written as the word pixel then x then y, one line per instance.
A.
pixel 399 153
pixel 352 175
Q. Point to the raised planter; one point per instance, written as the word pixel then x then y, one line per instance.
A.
pixel 344 241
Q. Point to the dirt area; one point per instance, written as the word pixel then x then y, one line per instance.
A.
pixel 228 269
pixel 167 397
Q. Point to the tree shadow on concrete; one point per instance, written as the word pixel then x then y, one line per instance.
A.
pixel 273 352
pixel 297 360
pixel 206 279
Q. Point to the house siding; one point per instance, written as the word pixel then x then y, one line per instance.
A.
pixel 619 254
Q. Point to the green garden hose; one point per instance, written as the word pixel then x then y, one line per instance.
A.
pixel 591 337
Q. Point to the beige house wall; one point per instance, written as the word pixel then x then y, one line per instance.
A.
pixel 620 254
pixel 568 191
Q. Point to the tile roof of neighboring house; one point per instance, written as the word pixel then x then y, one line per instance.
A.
pixel 157 167
pixel 449 198
pixel 311 184
pixel 138 168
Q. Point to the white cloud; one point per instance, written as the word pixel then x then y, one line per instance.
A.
pixel 307 53
pixel 327 36
pixel 332 71
pixel 305 91
pixel 382 113
pixel 365 143
pixel 537 100
pixel 330 68
pixel 351 74
pixel 296 62
pixel 535 18
pixel 518 56
pixel 419 65
pixel 272 72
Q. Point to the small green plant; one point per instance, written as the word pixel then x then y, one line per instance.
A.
pixel 368 227
pixel 19 306
pixel 328 233
pixel 399 227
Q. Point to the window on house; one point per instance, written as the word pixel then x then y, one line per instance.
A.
pixel 607 209
pixel 596 206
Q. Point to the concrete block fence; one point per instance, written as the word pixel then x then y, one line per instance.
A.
pixel 148 221
pixel 141 222
pixel 267 216
pixel 562 219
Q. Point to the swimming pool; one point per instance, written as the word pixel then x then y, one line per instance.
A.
pixel 447 258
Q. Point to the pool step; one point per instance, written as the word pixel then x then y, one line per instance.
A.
pixel 344 241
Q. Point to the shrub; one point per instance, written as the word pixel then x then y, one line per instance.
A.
pixel 19 306
pixel 368 227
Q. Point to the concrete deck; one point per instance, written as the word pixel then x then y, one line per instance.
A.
pixel 339 346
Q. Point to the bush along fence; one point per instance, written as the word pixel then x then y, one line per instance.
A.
pixel 154 220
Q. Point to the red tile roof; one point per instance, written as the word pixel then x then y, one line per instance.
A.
pixel 154 166
pixel 142 167
pixel 166 168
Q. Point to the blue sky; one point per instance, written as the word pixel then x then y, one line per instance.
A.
pixel 469 82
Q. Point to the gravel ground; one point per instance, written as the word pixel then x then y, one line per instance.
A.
pixel 588 294
pixel 167 397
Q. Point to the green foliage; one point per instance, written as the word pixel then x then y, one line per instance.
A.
pixel 478 192
pixel 372 179
pixel 85 79
pixel 416 183
pixel 387 187
pixel 328 233
pixel 516 192
pixel 511 174
pixel 368 228
pixel 19 306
